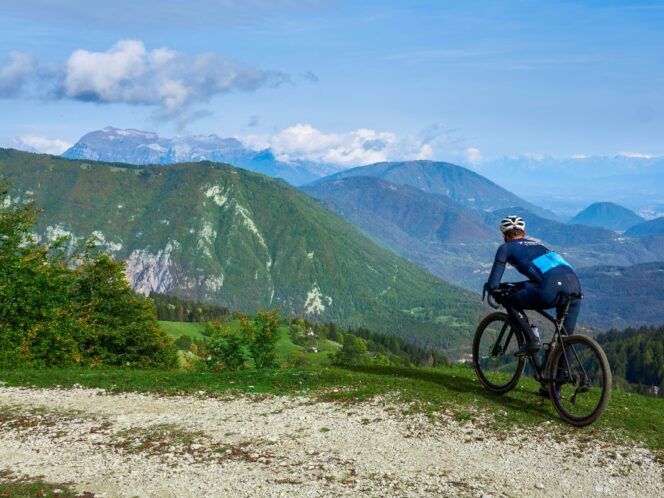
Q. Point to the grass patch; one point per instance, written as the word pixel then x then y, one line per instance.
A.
pixel 284 348
pixel 453 388
pixel 12 486
pixel 177 329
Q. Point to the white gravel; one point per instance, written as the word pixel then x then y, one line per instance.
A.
pixel 146 445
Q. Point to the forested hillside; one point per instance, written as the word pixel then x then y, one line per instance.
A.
pixel 618 296
pixel 176 309
pixel 636 356
pixel 218 234
pixel 432 230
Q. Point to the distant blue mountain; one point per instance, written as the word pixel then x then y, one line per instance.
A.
pixel 607 215
pixel 143 148
pixel 555 232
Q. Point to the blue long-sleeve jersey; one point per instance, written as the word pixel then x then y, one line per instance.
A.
pixel 528 256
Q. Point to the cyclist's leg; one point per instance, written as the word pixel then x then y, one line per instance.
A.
pixel 529 297
pixel 569 284
pixel 567 281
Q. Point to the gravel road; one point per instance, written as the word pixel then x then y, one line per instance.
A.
pixel 146 445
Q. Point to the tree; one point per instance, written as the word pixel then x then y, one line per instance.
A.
pixel 353 352
pixel 59 307
pixel 262 334
pixel 225 349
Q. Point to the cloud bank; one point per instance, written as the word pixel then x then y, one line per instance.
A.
pixel 171 82
pixel 34 143
pixel 635 155
pixel 304 142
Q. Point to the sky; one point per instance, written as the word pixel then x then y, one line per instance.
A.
pixel 344 81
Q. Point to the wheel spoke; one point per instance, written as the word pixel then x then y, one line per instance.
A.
pixel 493 352
pixel 581 379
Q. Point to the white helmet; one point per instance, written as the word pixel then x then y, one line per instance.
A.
pixel 512 222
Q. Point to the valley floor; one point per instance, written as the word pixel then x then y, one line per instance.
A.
pixel 133 444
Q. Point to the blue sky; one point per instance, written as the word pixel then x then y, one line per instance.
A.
pixel 452 80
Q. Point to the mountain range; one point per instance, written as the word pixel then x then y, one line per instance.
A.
pixel 145 148
pixel 440 216
pixel 562 185
pixel 457 241
pixel 460 184
pixel 567 185
pixel 212 232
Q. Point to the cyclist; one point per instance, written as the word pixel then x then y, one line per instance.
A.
pixel 548 274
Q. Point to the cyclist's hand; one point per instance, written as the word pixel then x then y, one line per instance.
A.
pixel 494 295
pixel 497 295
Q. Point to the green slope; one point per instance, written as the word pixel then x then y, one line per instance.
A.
pixel 177 329
pixel 216 233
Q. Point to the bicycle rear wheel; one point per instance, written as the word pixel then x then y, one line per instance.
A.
pixel 494 345
pixel 580 380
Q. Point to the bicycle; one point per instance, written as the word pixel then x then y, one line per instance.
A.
pixel 575 368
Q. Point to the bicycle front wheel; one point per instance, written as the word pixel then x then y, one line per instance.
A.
pixel 580 380
pixel 494 345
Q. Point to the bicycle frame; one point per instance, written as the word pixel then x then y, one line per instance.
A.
pixel 538 370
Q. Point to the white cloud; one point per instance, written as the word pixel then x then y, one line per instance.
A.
pixel 129 73
pixel 15 74
pixel 580 156
pixel 354 148
pixel 636 155
pixel 33 143
pixel 473 155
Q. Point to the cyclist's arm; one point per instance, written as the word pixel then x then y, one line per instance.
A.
pixel 498 267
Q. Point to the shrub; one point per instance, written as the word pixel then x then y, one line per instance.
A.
pixel 66 308
pixel 184 343
pixel 297 359
pixel 262 334
pixel 226 350
pixel 353 352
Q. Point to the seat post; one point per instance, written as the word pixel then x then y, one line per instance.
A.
pixel 563 314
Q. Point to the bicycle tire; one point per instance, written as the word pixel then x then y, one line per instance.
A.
pixel 555 392
pixel 521 361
